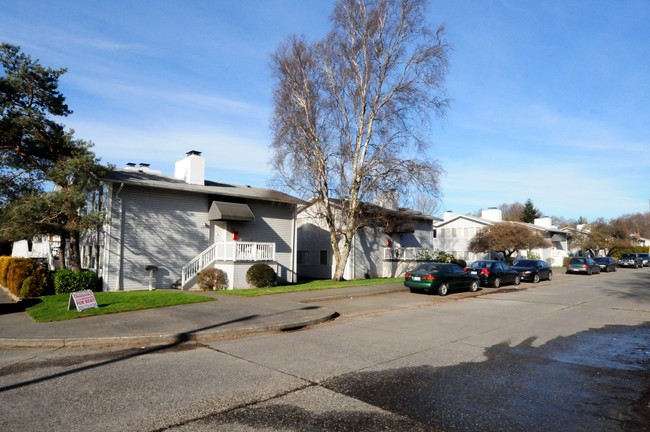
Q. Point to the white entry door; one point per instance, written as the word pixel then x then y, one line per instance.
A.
pixel 218 231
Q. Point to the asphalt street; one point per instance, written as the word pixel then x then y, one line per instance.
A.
pixel 572 354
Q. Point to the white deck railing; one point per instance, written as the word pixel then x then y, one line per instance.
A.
pixel 229 251
pixel 405 253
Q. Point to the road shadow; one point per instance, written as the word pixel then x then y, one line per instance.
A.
pixel 597 380
pixel 19 306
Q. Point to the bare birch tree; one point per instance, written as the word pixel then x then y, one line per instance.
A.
pixel 352 112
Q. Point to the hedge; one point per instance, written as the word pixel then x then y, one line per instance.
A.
pixel 67 281
pixel 4 268
pixel 19 270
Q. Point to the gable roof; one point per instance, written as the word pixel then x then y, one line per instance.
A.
pixel 369 208
pixel 483 221
pixel 470 218
pixel 157 180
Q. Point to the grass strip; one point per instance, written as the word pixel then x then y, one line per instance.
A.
pixel 308 286
pixel 55 307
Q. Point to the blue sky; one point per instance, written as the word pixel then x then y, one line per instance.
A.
pixel 550 99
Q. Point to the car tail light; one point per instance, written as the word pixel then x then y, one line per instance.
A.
pixel 428 277
pixel 485 272
pixel 407 275
pixel 584 266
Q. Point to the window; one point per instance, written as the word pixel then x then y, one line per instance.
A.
pixel 324 257
pixel 303 257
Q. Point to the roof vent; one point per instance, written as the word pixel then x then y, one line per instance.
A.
pixel 144 165
pixel 130 165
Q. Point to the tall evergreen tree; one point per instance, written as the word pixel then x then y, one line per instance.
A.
pixel 31 141
pixel 530 213
pixel 36 151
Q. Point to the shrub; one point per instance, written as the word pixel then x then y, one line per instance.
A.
pixel 443 257
pixel 4 268
pixel 66 281
pixel 63 281
pixel 36 285
pixel 260 275
pixel 86 280
pixel 213 279
pixel 19 270
pixel 461 262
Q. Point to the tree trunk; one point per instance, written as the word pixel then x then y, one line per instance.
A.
pixel 341 258
pixel 75 256
pixel 62 251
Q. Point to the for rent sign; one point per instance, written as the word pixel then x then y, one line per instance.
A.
pixel 82 300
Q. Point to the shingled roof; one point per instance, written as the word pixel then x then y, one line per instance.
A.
pixel 153 179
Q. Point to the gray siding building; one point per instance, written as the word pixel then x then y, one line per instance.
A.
pixel 370 255
pixel 162 230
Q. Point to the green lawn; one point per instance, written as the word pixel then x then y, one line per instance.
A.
pixel 308 286
pixel 55 307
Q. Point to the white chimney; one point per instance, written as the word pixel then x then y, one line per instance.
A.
pixel 492 214
pixel 191 169
pixel 544 222
pixel 448 215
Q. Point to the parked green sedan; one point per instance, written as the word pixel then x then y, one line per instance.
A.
pixel 440 278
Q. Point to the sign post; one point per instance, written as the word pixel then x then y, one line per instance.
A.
pixel 82 300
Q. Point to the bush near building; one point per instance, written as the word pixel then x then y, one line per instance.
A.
pixel 67 281
pixel 213 279
pixel 261 275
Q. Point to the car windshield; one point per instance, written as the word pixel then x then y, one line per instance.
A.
pixel 427 268
pixel 481 264
pixel 627 256
pixel 525 263
pixel 601 260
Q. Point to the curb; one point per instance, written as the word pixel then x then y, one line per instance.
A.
pixel 166 339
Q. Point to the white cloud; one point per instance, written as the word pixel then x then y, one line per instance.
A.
pixel 223 150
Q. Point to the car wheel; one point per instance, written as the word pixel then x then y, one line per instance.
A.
pixel 517 280
pixel 473 287
pixel 443 289
pixel 497 282
pixel 550 276
pixel 536 278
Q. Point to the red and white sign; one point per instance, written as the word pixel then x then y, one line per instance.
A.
pixel 83 300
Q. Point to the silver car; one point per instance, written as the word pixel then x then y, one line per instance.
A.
pixel 630 260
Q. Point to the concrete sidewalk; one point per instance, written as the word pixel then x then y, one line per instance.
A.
pixel 227 316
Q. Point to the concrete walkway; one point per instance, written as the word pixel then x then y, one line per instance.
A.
pixel 228 316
